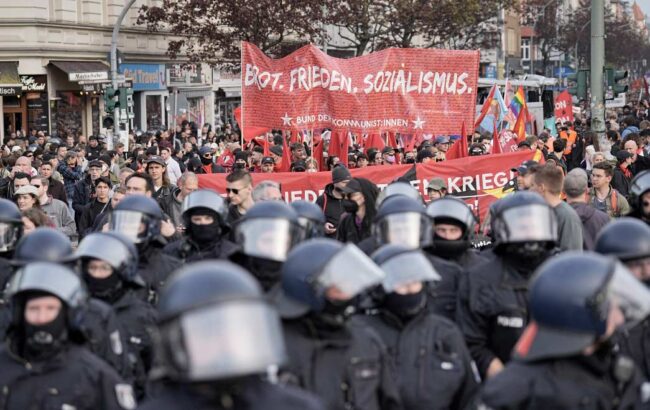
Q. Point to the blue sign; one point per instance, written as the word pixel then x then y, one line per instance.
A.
pixel 491 71
pixel 146 77
pixel 564 70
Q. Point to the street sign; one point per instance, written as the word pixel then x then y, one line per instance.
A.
pixel 95 75
pixel 617 102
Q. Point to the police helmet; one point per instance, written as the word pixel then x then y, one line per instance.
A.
pixel 570 300
pixel 403 265
pixel 113 248
pixel 11 225
pixel 215 324
pixel 398 188
pixel 268 231
pixel 401 219
pixel 523 217
pixel 311 219
pixel 43 245
pixel 205 200
pixel 137 217
pixel 625 238
pixel 316 265
pixel 639 186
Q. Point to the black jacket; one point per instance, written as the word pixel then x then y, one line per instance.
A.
pixel 433 365
pixel 187 250
pixel 255 395
pixel 564 384
pixel 641 164
pixel 620 182
pixel 83 191
pixel 330 206
pixel 635 343
pixel 89 214
pixel 163 194
pixel 349 231
pixel 492 309
pixel 155 266
pixel 172 206
pixel 74 378
pixel 347 366
pixel 593 221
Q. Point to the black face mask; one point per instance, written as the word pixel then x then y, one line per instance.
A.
pixel 349 206
pixel 409 161
pixel 206 161
pixel 107 289
pixel 44 341
pixel 525 257
pixel 205 233
pixel 405 306
pixel 447 249
pixel 267 272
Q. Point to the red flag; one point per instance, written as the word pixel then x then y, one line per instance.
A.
pixel 339 146
pixel 520 125
pixel 459 149
pixel 496 145
pixel 285 164
pixel 375 141
pixel 486 107
pixel 392 141
pixel 248 132
pixel 317 154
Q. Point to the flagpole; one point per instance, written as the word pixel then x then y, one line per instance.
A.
pixel 241 64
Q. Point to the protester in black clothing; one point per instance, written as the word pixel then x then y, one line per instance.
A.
pixel 359 205
pixel 331 199
pixel 100 204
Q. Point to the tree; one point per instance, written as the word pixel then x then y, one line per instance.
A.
pixel 360 22
pixel 211 30
pixel 543 16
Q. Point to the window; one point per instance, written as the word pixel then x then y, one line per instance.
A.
pixel 525 49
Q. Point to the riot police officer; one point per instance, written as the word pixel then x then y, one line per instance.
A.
pixel 139 218
pixel 217 338
pixel 434 367
pixel 311 218
pixel 98 323
pixel 108 266
pixel 11 226
pixel 565 358
pixel 453 229
pixel 402 220
pixel 493 309
pixel 628 240
pixel 266 233
pixel 42 365
pixel 398 188
pixel 204 215
pixel 341 360
pixel 639 197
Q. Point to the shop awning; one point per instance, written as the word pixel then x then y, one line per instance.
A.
pixel 83 70
pixel 9 79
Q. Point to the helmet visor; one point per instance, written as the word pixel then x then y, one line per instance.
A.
pixel 8 236
pixel 267 238
pixel 630 295
pixel 50 278
pixel 105 248
pixel 229 340
pixel 407 268
pixel 452 209
pixel 310 228
pixel 408 229
pixel 351 271
pixel 131 224
pixel 531 223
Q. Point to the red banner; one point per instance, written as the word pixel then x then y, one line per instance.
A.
pixel 478 180
pixel 563 107
pixel 401 90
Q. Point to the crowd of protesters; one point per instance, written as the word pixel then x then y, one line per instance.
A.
pixel 365 299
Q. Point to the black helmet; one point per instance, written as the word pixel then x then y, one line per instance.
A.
pixel 316 265
pixel 398 188
pixel 205 200
pixel 43 245
pixel 452 211
pixel 639 186
pixel 215 324
pixel 625 238
pixel 133 212
pixel 115 249
pixel 570 300
pixel 311 219
pixel 11 225
pixel 523 217
pixel 402 220
pixel 403 265
pixel 268 231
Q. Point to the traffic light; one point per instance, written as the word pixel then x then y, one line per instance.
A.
pixel 109 100
pixel 613 77
pixel 579 86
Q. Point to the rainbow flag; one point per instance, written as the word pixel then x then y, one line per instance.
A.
pixel 518 101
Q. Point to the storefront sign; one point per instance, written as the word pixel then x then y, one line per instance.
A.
pixel 33 83
pixel 185 75
pixel 146 77
pixel 9 91
pixel 96 75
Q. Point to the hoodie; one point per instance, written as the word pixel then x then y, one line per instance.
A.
pixel 593 221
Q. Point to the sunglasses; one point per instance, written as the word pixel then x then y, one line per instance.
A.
pixel 234 191
pixel 36 186
pixel 207 156
pixel 339 190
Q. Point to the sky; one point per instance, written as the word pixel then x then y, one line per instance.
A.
pixel 645 6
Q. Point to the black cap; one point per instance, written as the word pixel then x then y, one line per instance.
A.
pixel 524 167
pixel 425 153
pixel 622 155
pixel 267 160
pixel 93 137
pixel 340 174
pixel 386 150
pixel 298 166
pixel 277 150
pixel 96 164
pixel 156 160
pixel 351 187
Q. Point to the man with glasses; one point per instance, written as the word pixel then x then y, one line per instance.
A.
pixel 239 188
pixel 208 165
